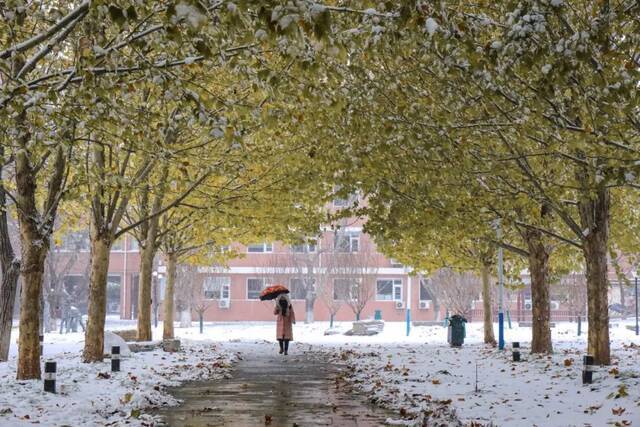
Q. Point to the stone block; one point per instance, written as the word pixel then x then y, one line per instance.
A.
pixel 366 327
pixel 171 345
pixel 127 334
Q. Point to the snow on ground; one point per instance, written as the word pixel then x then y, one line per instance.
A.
pixel 90 394
pixel 411 375
pixel 539 391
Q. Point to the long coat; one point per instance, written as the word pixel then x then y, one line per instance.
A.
pixel 284 329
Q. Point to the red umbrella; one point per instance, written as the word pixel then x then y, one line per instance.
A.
pixel 272 292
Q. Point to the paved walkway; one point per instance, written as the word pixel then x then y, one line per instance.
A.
pixel 269 389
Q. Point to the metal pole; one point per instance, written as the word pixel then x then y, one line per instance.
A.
pixel 637 331
pixel 500 293
pixel 123 308
pixel 408 305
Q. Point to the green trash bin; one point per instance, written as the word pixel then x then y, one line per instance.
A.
pixel 456 331
pixel 377 315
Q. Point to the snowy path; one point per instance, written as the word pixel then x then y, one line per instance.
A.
pixel 266 388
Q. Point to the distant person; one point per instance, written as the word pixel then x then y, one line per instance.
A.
pixel 284 321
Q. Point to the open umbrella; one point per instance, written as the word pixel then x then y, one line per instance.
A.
pixel 272 292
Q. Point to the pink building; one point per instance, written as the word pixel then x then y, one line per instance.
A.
pixel 340 267
pixel 71 263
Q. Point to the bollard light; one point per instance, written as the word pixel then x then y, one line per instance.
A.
pixel 587 370
pixel 50 376
pixel 516 351
pixel 115 358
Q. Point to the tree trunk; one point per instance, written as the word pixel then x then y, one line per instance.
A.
pixel 185 318
pixel 489 337
pixel 144 292
pixel 146 263
pixel 436 309
pixel 94 334
pixel 309 303
pixel 167 332
pixel 594 216
pixel 33 256
pixel 34 250
pixel 10 272
pixel 541 314
pixel 7 301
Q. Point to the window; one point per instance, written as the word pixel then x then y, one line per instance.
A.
pixel 389 290
pixel 395 264
pixel 133 244
pixel 306 248
pixel 260 247
pixel 347 242
pixel 113 293
pixel 340 202
pixel 298 289
pixel 216 287
pixel 343 289
pixel 254 287
pixel 425 292
pixel 118 245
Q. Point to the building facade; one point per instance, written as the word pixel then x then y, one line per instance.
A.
pixel 341 272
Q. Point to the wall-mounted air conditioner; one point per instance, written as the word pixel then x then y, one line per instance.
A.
pixel 224 303
pixel 399 304
pixel 528 305
pixel 425 305
pixel 555 305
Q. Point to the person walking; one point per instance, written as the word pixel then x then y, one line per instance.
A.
pixel 284 321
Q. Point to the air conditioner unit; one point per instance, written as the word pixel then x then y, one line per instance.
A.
pixel 399 304
pixel 555 305
pixel 224 303
pixel 528 305
pixel 425 305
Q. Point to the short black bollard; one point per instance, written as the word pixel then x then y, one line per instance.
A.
pixel 41 338
pixel 115 358
pixel 50 376
pixel 516 351
pixel 587 370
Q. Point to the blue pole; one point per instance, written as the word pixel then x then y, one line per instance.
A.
pixel 501 330
pixel 408 321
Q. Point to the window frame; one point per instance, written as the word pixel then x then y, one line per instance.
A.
pixel 345 279
pixel 264 285
pixel 266 248
pixel 292 293
pixel 307 248
pixel 223 286
pixel 397 285
pixel 425 281
pixel 353 237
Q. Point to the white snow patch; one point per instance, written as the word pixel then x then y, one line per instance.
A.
pixel 431 26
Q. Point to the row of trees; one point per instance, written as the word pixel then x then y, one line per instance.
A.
pixel 476 125
pixel 195 121
pixel 147 118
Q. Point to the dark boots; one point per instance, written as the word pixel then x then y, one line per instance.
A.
pixel 284 346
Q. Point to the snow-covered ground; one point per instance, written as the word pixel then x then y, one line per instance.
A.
pixel 411 375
